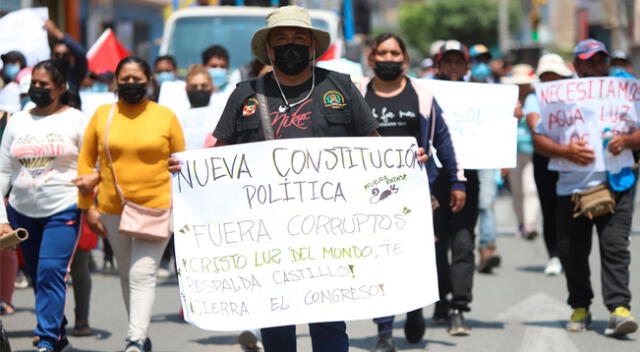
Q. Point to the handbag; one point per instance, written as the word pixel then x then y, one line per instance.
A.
pixel 88 239
pixel 138 221
pixel 594 202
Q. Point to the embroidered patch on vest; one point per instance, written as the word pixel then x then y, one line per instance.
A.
pixel 333 99
pixel 249 107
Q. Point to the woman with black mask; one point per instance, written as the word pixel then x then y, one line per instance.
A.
pixel 203 112
pixel 141 136
pixel 403 106
pixel 38 161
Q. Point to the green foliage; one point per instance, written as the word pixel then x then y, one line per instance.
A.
pixel 469 21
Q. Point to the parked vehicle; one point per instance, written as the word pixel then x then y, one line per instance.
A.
pixel 191 30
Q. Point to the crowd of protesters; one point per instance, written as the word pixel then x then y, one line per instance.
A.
pixel 75 192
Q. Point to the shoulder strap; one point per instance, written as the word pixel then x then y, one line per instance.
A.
pixel 267 129
pixel 433 128
pixel 106 148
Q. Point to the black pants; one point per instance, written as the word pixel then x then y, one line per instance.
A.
pixel 546 184
pixel 574 246
pixel 454 231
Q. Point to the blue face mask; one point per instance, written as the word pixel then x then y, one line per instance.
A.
pixel 480 71
pixel 98 87
pixel 166 76
pixel 218 76
pixel 11 71
pixel 616 70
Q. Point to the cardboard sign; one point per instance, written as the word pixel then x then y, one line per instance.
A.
pixel 580 110
pixel 480 120
pixel 303 230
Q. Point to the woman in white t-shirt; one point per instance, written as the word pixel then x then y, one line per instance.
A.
pixel 38 161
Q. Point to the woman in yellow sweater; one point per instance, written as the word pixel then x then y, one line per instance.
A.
pixel 141 137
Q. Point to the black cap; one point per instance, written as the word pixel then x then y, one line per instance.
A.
pixel 14 56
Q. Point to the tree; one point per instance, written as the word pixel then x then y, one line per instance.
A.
pixel 469 21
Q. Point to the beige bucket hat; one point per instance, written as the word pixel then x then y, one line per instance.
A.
pixel 553 63
pixel 521 74
pixel 288 16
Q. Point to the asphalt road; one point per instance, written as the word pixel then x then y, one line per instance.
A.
pixel 517 308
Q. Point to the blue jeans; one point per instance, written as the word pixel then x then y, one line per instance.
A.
pixel 486 202
pixel 47 253
pixel 325 337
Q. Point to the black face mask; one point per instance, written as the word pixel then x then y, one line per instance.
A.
pixel 199 98
pixel 291 58
pixel 388 70
pixel 132 93
pixel 40 96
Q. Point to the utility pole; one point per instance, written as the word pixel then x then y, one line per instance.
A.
pixel 503 26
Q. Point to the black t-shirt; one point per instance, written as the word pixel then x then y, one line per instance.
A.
pixel 294 121
pixel 327 101
pixel 397 116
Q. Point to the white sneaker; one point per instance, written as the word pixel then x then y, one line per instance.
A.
pixel 554 267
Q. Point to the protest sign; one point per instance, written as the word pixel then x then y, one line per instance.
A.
pixel 31 39
pixel 198 123
pixel 480 120
pixel 580 110
pixel 295 231
pixel 92 100
pixel 173 95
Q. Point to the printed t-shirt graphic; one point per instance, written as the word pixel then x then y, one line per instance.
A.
pixel 36 153
pixel 396 116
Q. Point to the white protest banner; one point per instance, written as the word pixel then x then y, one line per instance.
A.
pixel 22 30
pixel 303 230
pixel 92 100
pixel 173 94
pixel 580 110
pixel 198 123
pixel 481 122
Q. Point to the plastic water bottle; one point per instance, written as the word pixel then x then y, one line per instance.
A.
pixel 611 162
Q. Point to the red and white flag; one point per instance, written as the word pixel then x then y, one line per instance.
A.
pixel 106 52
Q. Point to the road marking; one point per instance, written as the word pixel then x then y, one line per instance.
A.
pixel 542 315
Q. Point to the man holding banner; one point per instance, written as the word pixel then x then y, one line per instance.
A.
pixel 297 100
pixel 576 116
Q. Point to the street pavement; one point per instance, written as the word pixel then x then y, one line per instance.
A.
pixel 517 308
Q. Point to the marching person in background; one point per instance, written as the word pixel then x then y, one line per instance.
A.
pixel 70 53
pixel 12 63
pixel 575 233
pixel 142 135
pixel 165 70
pixel 199 90
pixel 403 106
pixel 427 70
pixel 523 187
pixel 216 60
pixel 487 232
pixel 454 226
pixel 620 63
pixel 551 67
pixel 43 197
